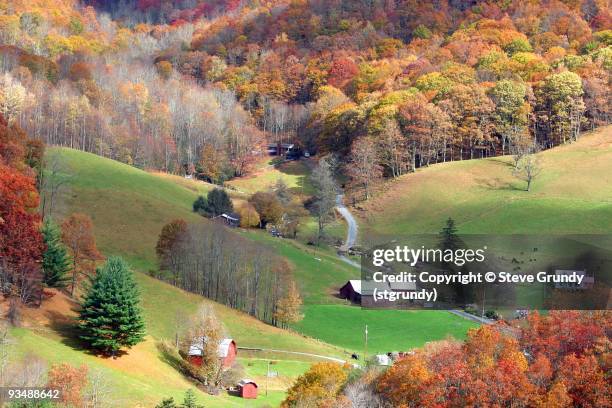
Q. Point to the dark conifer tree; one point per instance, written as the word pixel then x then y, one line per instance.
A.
pixel 55 262
pixel 167 403
pixel 448 236
pixel 110 317
pixel 217 202
pixel 190 400
pixel 200 205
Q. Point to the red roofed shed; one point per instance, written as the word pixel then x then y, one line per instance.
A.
pixel 247 388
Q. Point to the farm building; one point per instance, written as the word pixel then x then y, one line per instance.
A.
pixel 362 292
pixel 226 351
pixel 231 220
pixel 351 291
pixel 283 149
pixel 247 388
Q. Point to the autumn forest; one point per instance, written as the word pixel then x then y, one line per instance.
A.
pixel 235 131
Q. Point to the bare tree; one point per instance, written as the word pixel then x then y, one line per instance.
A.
pixel 212 261
pixel 99 391
pixel 528 168
pixel 362 394
pixel 205 333
pixel 325 196
pixel 363 168
pixel 6 343
pixel 55 179
pixel 393 151
pixel 29 372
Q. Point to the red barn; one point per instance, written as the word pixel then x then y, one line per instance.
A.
pixel 247 388
pixel 226 351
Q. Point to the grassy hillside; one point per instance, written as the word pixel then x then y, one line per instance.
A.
pixel 573 194
pixel 266 174
pixel 129 208
pixel 320 273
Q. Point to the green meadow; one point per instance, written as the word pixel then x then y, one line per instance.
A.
pixel 572 194
pixel 129 206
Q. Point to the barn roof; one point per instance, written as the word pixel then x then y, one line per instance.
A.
pixel 367 287
pixel 223 349
pixel 356 284
pixel 246 381
pixel 402 286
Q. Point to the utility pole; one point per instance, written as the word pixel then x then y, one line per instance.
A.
pixel 365 352
pixel 483 301
pixel 267 377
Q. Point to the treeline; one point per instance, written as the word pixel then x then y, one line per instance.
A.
pixel 557 360
pixel 422 82
pixel 407 84
pixel 74 78
pixel 210 260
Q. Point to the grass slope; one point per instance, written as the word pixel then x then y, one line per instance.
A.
pixel 388 330
pixel 129 208
pixel 103 189
pixel 320 273
pixel 573 194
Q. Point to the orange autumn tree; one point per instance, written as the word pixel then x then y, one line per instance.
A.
pixel 558 360
pixel 77 235
pixel 70 380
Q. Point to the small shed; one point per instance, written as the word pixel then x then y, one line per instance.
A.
pixel 247 388
pixel 351 291
pixel 382 360
pixel 226 351
pixel 231 219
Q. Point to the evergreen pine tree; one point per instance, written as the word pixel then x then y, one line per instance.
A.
pixel 55 262
pixel 167 403
pixel 200 205
pixel 448 236
pixel 219 202
pixel 190 400
pixel 110 317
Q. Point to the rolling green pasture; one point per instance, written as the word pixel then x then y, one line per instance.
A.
pixel 266 174
pixel 573 194
pixel 388 330
pixel 129 207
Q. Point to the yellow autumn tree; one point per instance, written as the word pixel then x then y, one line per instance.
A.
pixel 288 308
pixel 320 384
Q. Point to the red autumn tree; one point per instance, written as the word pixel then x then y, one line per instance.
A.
pixel 503 366
pixel 70 380
pixel 342 71
pixel 77 235
pixel 21 243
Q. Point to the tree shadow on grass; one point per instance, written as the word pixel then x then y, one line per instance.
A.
pixel 67 328
pixel 170 357
pixel 496 183
pixel 501 162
